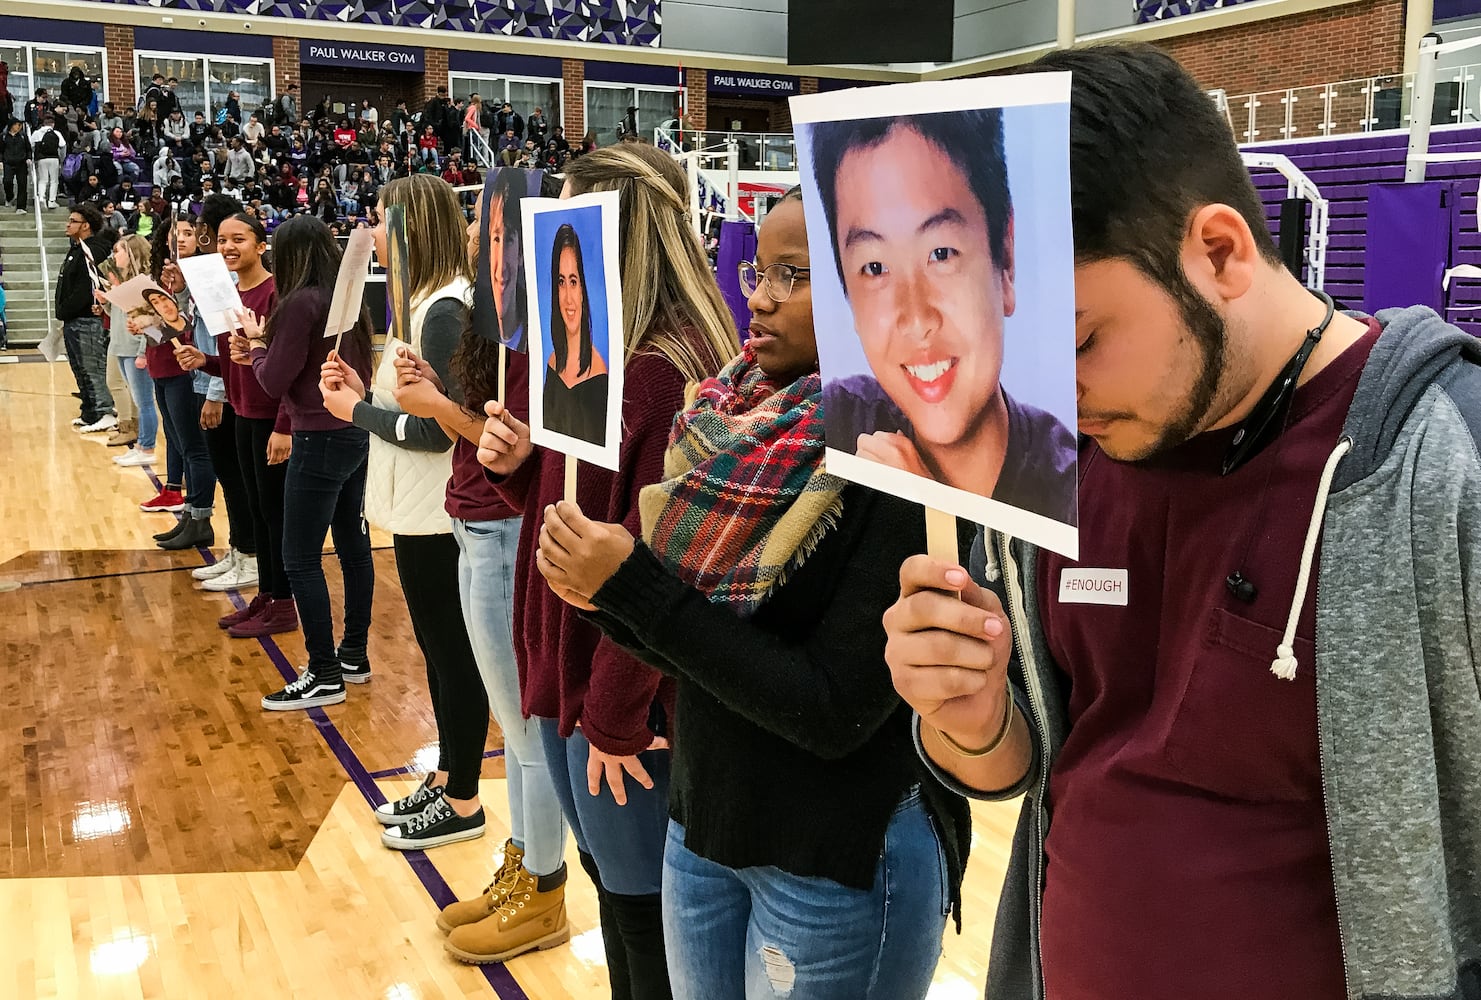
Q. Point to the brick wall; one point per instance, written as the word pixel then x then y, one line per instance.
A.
pixel 119 41
pixel 807 85
pixel 697 99
pixel 436 73
pixel 573 72
pixel 285 67
pixel 1325 46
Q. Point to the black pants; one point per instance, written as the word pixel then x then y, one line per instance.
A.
pixel 632 936
pixel 325 493
pixel 180 410
pixel 428 568
pixel 263 485
pixel 15 184
pixel 221 441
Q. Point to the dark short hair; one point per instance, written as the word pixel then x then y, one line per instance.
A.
pixel 91 215
pixel 972 140
pixel 1147 150
pixel 217 208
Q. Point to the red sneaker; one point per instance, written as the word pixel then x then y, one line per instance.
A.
pixel 276 616
pixel 252 610
pixel 168 501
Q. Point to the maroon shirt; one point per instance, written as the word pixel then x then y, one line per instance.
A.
pixel 160 358
pixel 247 398
pixel 569 670
pixel 1187 846
pixel 470 495
pixel 288 368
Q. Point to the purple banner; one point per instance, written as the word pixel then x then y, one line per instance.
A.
pixel 360 55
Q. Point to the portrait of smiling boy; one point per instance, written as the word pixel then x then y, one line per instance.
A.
pixel 920 217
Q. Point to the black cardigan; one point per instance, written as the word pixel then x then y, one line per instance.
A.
pixel 792 747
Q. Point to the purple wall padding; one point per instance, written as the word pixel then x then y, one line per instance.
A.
pixel 1409 227
pixel 737 243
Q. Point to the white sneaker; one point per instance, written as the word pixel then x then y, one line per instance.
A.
pixel 76 421
pixel 134 458
pixel 104 423
pixel 242 574
pixel 217 568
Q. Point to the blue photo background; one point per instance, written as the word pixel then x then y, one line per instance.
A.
pixel 1039 338
pixel 587 221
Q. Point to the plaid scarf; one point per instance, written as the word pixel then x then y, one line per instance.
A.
pixel 744 499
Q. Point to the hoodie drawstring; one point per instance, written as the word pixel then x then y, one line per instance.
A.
pixel 1284 666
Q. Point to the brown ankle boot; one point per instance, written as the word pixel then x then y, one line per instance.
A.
pixel 126 433
pixel 532 916
pixel 471 911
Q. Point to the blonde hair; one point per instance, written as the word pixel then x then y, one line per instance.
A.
pixel 671 304
pixel 436 231
pixel 138 252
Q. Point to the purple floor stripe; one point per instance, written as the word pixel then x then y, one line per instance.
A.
pixel 498 976
pixel 395 772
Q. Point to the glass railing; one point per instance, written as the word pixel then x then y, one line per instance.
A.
pixel 1351 107
pixel 755 150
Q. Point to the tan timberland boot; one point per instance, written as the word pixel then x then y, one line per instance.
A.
pixel 532 916
pixel 470 911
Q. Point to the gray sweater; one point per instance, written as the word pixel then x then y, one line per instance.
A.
pixel 441 331
pixel 1398 630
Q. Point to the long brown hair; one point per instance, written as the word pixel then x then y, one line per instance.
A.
pixel 671 304
pixel 435 226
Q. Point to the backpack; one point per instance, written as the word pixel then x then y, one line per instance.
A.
pixel 50 146
pixel 268 114
pixel 72 164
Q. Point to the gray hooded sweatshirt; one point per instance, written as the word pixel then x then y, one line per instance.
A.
pixel 1398 643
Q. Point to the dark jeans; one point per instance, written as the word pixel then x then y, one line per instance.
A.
pixel 221 442
pixel 180 409
pixel 87 354
pixel 622 850
pixel 15 184
pixel 428 568
pixel 263 486
pixel 326 493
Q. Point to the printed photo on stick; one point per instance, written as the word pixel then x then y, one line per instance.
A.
pixel 173 322
pixel 132 297
pixel 938 218
pixel 500 300
pixel 398 274
pixel 349 286
pixel 214 291
pixel 575 325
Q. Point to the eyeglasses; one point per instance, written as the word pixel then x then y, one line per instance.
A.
pixel 779 278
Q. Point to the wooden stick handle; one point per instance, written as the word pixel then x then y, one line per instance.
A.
pixel 941 540
pixel 503 372
pixel 571 462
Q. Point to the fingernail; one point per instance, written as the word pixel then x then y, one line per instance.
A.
pixel 993 627
pixel 956 578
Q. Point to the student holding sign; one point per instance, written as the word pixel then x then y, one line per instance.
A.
pixel 833 848
pixel 130 258
pixel 324 488
pixel 1244 721
pixel 604 715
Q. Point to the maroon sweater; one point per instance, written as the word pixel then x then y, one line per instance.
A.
pixel 247 398
pixel 569 670
pixel 470 495
pixel 288 368
pixel 1188 855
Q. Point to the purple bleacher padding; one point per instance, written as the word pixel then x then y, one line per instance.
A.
pixel 737 243
pixel 1409 228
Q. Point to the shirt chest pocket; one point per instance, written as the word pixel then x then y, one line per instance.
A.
pixel 1240 732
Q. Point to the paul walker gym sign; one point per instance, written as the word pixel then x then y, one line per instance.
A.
pixel 358 55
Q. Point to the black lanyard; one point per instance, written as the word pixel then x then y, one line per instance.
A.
pixel 1268 419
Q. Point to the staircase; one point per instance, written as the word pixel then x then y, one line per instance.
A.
pixel 20 256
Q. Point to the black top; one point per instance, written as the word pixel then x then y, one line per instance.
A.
pixel 1038 471
pixel 578 411
pixel 792 748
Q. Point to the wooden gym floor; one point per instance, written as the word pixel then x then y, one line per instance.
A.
pixel 170 839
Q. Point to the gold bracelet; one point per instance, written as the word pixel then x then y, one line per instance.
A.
pixel 997 741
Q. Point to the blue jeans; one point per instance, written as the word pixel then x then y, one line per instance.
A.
pixel 180 408
pixel 325 492
pixel 141 388
pixel 486 586
pixel 87 355
pixel 762 933
pixel 626 841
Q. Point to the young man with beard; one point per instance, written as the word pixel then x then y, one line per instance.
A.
pixel 1246 719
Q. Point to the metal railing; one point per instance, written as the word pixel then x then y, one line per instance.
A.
pixel 41 243
pixel 756 150
pixel 479 149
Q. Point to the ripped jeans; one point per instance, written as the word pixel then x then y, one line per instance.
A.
pixel 764 934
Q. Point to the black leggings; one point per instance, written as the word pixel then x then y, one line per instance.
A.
pixel 428 568
pixel 222 442
pixel 264 488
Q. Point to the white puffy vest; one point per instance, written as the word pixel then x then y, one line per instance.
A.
pixel 406 491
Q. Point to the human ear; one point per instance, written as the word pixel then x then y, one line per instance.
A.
pixel 1010 295
pixel 1219 255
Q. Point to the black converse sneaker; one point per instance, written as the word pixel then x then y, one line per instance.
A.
pixel 436 825
pixel 392 813
pixel 306 692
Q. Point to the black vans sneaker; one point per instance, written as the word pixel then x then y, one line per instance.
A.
pixel 354 673
pixel 306 692
pixel 436 825
pixel 393 813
